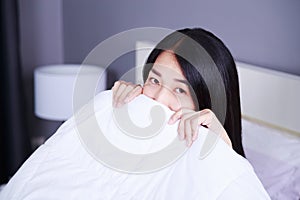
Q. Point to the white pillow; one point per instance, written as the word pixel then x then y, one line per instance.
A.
pixel 66 167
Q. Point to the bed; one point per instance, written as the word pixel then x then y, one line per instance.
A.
pixel 270 121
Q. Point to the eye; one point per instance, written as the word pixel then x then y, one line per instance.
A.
pixel 154 81
pixel 180 91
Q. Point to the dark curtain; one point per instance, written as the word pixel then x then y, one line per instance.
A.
pixel 14 138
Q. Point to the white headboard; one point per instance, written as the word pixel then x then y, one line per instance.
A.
pixel 267 96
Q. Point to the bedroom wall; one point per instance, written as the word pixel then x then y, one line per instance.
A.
pixel 41 42
pixel 264 33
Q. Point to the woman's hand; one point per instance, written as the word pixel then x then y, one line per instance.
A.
pixel 124 92
pixel 190 121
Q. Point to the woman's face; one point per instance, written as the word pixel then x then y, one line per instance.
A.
pixel 167 84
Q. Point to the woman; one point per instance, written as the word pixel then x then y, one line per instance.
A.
pixel 182 72
pixel 179 74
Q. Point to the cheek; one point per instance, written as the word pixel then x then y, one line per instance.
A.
pixel 187 102
pixel 148 91
pixel 191 104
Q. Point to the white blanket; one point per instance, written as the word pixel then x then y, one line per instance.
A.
pixel 63 167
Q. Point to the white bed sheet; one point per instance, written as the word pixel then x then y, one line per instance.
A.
pixel 63 169
pixel 275 156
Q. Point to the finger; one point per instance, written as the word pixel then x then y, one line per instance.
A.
pixel 209 120
pixel 118 94
pixel 116 85
pixel 195 127
pixel 188 132
pixel 115 89
pixel 128 89
pixel 138 89
pixel 180 130
pixel 205 117
pixel 181 125
pixel 177 115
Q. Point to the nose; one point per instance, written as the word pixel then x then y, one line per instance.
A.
pixel 166 97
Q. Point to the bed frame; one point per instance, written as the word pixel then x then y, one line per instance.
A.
pixel 268 97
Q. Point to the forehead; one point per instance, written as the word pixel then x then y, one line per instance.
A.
pixel 167 59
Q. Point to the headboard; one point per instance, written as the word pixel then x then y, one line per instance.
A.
pixel 267 97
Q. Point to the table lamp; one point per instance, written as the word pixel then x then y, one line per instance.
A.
pixel 54 87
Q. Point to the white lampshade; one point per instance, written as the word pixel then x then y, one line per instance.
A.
pixel 54 87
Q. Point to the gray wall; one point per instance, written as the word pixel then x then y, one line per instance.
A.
pixel 41 44
pixel 261 32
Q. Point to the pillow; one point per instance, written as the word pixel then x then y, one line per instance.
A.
pixel 76 163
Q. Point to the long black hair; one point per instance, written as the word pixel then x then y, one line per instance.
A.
pixel 210 70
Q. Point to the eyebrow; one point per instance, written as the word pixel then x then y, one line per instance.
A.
pixel 156 72
pixel 182 81
pixel 178 80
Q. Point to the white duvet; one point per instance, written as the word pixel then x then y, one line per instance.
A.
pixel 64 168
